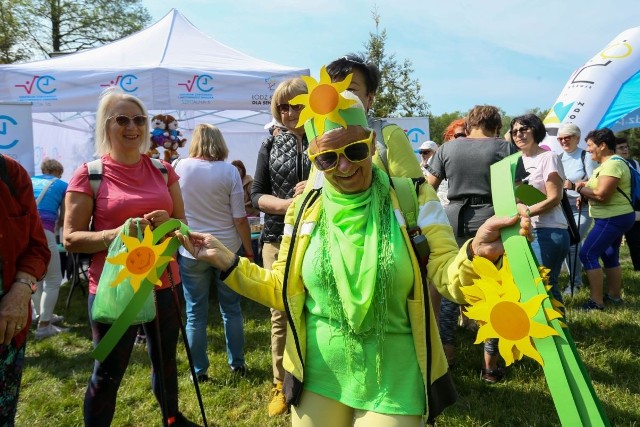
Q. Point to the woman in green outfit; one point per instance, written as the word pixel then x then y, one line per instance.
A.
pixel 362 345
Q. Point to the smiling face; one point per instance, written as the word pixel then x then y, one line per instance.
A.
pixel 595 150
pixel 358 87
pixel 129 137
pixel 569 143
pixel 347 177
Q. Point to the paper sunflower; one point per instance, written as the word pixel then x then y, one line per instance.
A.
pixel 323 101
pixel 495 305
pixel 141 260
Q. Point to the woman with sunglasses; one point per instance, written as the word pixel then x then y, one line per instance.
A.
pixel 282 170
pixel 357 349
pixel 607 193
pixel 545 173
pixel 577 166
pixel 131 186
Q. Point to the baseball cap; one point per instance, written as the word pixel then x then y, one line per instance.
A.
pixel 428 145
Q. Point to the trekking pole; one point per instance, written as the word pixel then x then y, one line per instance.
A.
pixel 160 372
pixel 575 255
pixel 183 330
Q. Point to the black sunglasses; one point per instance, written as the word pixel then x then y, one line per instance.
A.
pixel 286 108
pixel 124 121
pixel 522 130
pixel 459 135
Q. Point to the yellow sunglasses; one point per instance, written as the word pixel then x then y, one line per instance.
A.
pixel 354 152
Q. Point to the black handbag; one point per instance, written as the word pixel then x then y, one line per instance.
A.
pixel 572 227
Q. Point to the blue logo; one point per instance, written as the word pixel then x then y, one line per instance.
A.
pixel 4 130
pixel 44 84
pixel 126 82
pixel 414 134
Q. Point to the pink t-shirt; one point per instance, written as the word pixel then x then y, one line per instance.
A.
pixel 125 191
pixel 539 167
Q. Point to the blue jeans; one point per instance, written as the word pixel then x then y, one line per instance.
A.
pixel 197 279
pixel 551 246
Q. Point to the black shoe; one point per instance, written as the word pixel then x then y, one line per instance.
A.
pixel 592 305
pixel 202 378
pixel 181 421
pixel 239 370
pixel 614 301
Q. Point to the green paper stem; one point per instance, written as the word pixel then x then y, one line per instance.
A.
pixel 122 323
pixel 569 383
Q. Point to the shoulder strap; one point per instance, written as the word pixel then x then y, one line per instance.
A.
pixel 407 192
pixel 44 190
pixel 94 168
pixel 158 164
pixel 584 167
pixel 381 143
pixel 4 175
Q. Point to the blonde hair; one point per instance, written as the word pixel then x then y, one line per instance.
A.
pixel 285 91
pixel 108 99
pixel 207 142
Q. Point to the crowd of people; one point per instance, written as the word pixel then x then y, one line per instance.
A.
pixel 362 332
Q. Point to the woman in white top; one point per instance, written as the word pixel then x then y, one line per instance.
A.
pixel 545 172
pixel 214 203
pixel 578 166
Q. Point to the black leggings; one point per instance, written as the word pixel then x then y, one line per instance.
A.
pixel 100 398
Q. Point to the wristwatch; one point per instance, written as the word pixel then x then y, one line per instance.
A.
pixel 27 282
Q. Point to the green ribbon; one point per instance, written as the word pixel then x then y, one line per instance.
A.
pixel 569 383
pixel 122 323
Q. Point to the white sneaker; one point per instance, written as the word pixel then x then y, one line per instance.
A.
pixel 49 331
pixel 54 318
pixel 576 288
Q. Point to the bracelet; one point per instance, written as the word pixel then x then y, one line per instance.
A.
pixel 578 190
pixel 227 272
pixel 104 240
pixel 31 284
pixel 470 253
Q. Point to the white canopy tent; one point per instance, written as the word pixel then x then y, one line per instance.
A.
pixel 172 66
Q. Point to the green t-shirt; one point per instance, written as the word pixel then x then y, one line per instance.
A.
pixel 352 379
pixel 618 204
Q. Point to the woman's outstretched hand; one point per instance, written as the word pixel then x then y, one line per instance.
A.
pixel 487 243
pixel 207 248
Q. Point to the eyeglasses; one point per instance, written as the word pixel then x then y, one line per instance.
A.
pixel 124 121
pixel 565 138
pixel 459 135
pixel 351 58
pixel 355 152
pixel 286 108
pixel 522 130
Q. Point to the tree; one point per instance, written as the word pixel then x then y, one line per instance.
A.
pixel 398 93
pixel 12 35
pixel 437 124
pixel 73 25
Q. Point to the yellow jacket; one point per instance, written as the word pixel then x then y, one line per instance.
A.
pixel 282 287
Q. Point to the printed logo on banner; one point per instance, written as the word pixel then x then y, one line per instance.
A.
pixel 197 90
pixel 265 98
pixel 40 90
pixel 6 122
pixel 414 134
pixel 126 82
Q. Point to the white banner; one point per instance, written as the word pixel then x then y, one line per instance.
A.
pixel 601 93
pixel 16 133
pixel 416 128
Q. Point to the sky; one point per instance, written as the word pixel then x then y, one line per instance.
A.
pixel 515 54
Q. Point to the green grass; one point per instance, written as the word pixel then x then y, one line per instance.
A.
pixel 57 371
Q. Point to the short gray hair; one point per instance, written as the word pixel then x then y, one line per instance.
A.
pixel 569 129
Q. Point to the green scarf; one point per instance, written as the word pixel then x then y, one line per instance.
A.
pixel 356 259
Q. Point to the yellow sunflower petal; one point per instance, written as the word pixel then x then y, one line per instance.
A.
pixel 123 274
pixel 485 332
pixel 552 314
pixel 526 347
pixel 120 259
pixel 505 347
pixel 533 304
pixel 485 268
pixel 539 330
pixel 130 242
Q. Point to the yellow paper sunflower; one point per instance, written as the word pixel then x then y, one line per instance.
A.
pixel 323 101
pixel 495 305
pixel 141 260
